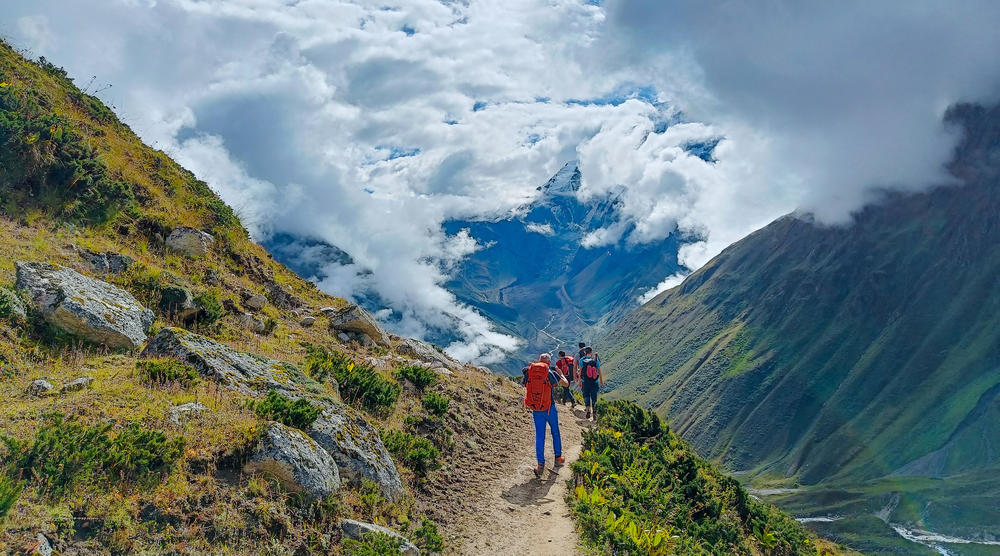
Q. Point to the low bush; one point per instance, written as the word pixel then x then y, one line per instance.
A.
pixel 299 413
pixel 419 376
pixel 427 537
pixel 9 491
pixel 435 404
pixel 642 490
pixel 210 308
pixel 7 302
pixel 373 544
pixel 358 384
pixel 416 452
pixel 167 371
pixel 66 452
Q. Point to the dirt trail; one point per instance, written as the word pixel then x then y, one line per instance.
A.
pixel 518 513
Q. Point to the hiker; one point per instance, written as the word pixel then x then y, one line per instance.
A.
pixel 567 366
pixel 539 378
pixel 580 354
pixel 591 379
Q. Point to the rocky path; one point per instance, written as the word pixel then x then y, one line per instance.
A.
pixel 516 512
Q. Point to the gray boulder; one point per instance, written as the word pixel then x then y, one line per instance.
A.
pixel 107 262
pixel 252 323
pixel 296 461
pixel 357 448
pixel 15 309
pixel 177 302
pixel 39 387
pixel 307 321
pixel 422 351
pixel 355 319
pixel 191 242
pixel 41 546
pixel 357 529
pixel 243 372
pixel 181 413
pixel 89 308
pixel 255 302
pixel 78 384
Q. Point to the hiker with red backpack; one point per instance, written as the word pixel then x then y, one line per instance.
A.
pixel 539 379
pixel 567 367
pixel 591 379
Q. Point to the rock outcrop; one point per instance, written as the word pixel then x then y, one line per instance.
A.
pixel 191 242
pixel 425 352
pixel 86 307
pixel 255 302
pixel 296 461
pixel 357 529
pixel 358 449
pixel 354 319
pixel 107 262
pixel 39 387
pixel 78 384
pixel 178 303
pixel 344 433
pixel 181 413
pixel 240 371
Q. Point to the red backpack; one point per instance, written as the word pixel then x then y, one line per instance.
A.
pixel 538 390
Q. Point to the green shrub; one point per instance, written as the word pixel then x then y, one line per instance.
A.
pixel 642 490
pixel 418 453
pixel 45 161
pixel 9 491
pixel 435 404
pixel 66 452
pixel 359 384
pixel 210 308
pixel 427 537
pixel 299 413
pixel 7 302
pixel 167 371
pixel 373 544
pixel 419 376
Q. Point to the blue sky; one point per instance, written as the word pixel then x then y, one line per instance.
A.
pixel 367 124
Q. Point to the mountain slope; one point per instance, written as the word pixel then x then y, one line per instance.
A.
pixel 828 354
pixel 154 451
pixel 535 280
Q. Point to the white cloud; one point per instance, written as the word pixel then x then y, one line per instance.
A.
pixel 544 229
pixel 666 284
pixel 368 125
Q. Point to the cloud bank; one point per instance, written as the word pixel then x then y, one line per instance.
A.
pixel 367 125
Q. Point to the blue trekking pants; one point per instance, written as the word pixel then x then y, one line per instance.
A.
pixel 590 390
pixel 541 418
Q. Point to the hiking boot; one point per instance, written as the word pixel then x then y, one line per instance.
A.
pixel 588 412
pixel 539 470
pixel 560 461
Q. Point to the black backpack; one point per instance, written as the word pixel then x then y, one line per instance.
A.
pixel 586 364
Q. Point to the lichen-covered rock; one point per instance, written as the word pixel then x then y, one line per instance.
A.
pixel 39 387
pixel 255 302
pixel 307 321
pixel 178 303
pixel 244 372
pixel 355 319
pixel 41 546
pixel 357 529
pixel 86 307
pixel 78 384
pixel 11 306
pixel 427 353
pixel 296 461
pixel 183 412
pixel 107 262
pixel 357 448
pixel 252 323
pixel 191 242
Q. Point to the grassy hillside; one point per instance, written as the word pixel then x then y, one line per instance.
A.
pixel 104 469
pixel 810 354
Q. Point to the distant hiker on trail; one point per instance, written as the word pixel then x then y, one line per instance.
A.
pixel 591 379
pixel 580 354
pixel 567 367
pixel 539 378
